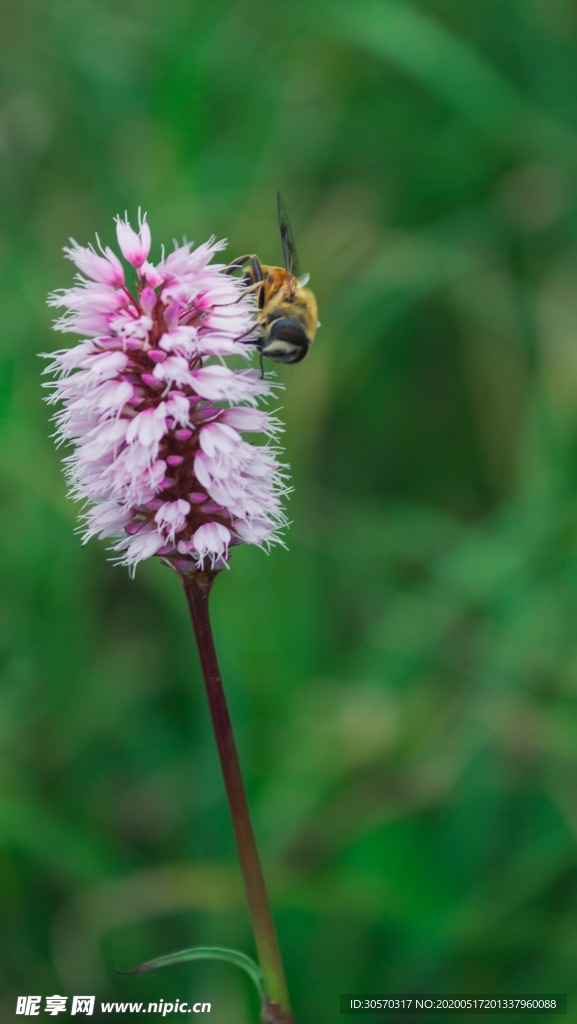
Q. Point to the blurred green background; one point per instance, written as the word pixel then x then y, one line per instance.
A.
pixel 403 680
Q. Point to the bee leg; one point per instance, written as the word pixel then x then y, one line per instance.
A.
pixel 247 334
pixel 241 261
pixel 237 264
pixel 256 269
pixel 246 291
pixel 250 288
pixel 256 276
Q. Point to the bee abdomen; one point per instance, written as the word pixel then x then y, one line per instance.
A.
pixel 286 341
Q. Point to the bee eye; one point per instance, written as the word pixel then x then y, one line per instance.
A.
pixel 287 341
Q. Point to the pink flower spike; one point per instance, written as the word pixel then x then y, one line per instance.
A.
pixel 154 417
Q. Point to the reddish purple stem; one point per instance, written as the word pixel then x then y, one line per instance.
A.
pixel 277 1008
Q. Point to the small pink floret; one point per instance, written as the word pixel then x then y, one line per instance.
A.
pixel 212 541
pixel 134 247
pixel 106 269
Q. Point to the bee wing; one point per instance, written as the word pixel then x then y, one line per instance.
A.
pixel 291 260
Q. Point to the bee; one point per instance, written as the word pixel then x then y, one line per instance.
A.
pixel 286 309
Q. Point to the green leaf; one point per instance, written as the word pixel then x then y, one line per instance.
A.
pixel 231 956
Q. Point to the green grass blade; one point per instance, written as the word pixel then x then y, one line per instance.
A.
pixel 231 956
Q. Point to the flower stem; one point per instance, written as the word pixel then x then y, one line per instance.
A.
pixel 277 1008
